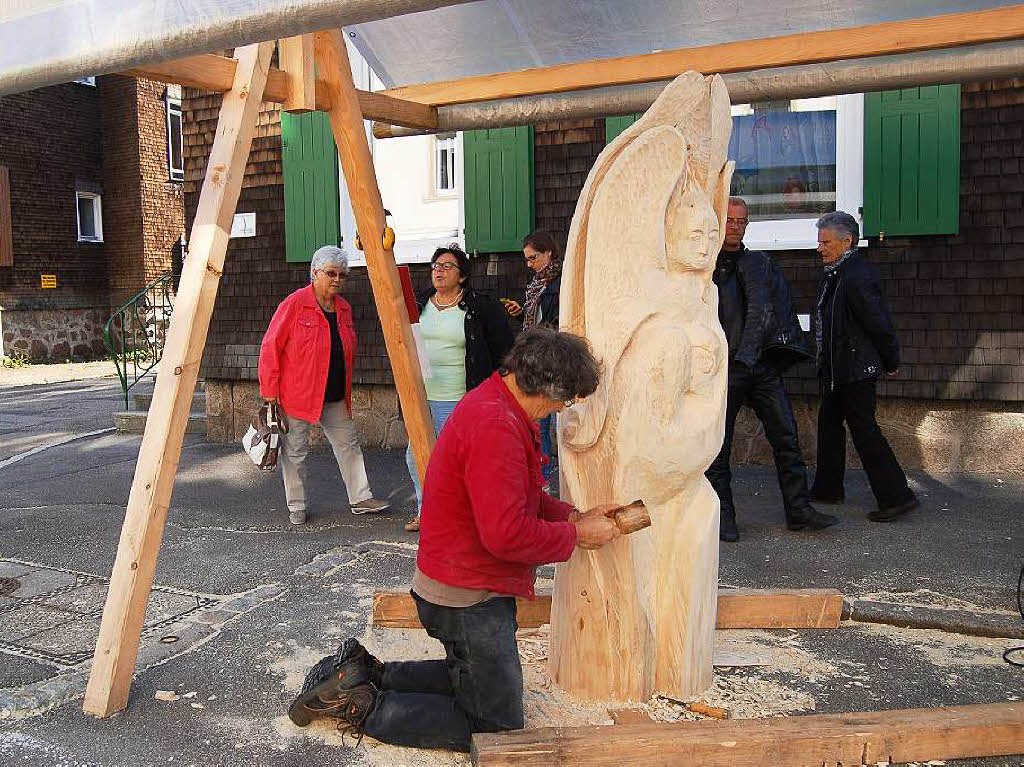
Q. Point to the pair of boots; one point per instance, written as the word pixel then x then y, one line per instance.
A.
pixel 807 518
pixel 342 686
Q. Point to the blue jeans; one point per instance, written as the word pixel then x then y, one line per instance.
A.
pixel 478 687
pixel 546 424
pixel 439 412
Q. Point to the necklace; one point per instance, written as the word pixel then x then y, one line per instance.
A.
pixel 456 300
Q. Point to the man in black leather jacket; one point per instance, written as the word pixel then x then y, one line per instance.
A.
pixel 856 342
pixel 764 335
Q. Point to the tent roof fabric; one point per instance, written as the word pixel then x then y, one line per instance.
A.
pixel 406 42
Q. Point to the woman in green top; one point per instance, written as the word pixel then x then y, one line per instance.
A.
pixel 466 335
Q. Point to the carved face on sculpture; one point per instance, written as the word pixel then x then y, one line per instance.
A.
pixel 692 230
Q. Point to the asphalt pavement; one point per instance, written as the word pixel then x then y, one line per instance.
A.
pixel 244 602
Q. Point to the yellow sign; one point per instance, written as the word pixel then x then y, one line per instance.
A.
pixel 47 280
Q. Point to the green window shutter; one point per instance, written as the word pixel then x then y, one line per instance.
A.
pixel 912 161
pixel 310 159
pixel 498 184
pixel 613 126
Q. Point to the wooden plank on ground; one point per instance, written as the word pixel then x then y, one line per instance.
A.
pixel 918 34
pixel 389 298
pixel 909 735
pixel 132 576
pixel 737 608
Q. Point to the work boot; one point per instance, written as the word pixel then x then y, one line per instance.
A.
pixel 889 514
pixel 809 518
pixel 727 530
pixel 350 667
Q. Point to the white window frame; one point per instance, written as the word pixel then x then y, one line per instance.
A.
pixel 173 107
pixel 88 80
pixel 97 215
pixel 439 144
pixel 801 233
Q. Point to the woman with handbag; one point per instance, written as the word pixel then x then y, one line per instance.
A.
pixel 306 366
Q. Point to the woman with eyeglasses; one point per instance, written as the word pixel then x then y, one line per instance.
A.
pixel 466 335
pixel 306 367
pixel 544 259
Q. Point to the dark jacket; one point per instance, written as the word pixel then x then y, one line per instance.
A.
pixel 547 304
pixel 756 311
pixel 858 338
pixel 488 334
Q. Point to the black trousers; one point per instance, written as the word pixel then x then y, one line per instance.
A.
pixel 762 390
pixel 478 687
pixel 854 404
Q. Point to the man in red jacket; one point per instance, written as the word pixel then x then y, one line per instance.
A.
pixel 306 365
pixel 486 525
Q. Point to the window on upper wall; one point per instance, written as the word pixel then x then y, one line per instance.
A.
pixel 445 173
pixel 90 80
pixel 90 217
pixel 796 160
pixel 175 153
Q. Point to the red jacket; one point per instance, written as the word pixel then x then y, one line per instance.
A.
pixel 296 353
pixel 486 523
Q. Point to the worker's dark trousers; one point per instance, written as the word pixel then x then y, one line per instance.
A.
pixel 762 390
pixel 854 403
pixel 478 687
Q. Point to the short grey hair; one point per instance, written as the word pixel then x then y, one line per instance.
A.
pixel 559 366
pixel 328 255
pixel 842 224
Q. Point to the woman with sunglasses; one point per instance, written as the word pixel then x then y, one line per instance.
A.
pixel 306 367
pixel 544 259
pixel 466 335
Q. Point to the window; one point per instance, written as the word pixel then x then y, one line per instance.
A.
pixel 175 155
pixel 795 160
pixel 90 217
pixel 445 173
pixel 91 80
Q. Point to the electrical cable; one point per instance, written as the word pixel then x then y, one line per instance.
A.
pixel 1008 655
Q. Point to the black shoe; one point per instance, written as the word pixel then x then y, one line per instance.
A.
pixel 727 530
pixel 809 518
pixel 350 667
pixel 889 514
pixel 836 501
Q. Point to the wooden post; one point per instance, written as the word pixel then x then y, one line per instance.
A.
pixel 295 55
pixel 357 164
pixel 132 577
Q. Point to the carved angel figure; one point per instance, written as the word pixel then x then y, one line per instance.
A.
pixel 638 616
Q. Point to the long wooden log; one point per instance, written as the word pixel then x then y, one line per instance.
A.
pixel 132 576
pixel 357 164
pixel 908 735
pixel 737 609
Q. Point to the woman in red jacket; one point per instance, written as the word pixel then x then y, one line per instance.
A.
pixel 306 366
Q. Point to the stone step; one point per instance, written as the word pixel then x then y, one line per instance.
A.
pixel 143 400
pixel 135 423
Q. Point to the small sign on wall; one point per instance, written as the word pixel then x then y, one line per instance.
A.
pixel 243 225
pixel 47 280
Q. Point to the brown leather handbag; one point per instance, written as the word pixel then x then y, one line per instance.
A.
pixel 262 441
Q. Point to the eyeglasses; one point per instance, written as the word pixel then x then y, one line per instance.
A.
pixel 445 266
pixel 570 402
pixel 735 222
pixel 331 274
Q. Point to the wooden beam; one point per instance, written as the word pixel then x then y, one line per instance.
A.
pixel 737 609
pixel 215 73
pixel 132 576
pixel 920 34
pixel 295 55
pixel 357 165
pixel 909 735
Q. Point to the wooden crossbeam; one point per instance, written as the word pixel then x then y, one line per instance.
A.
pixel 920 34
pixel 908 735
pixel 215 73
pixel 357 164
pixel 737 609
pixel 132 576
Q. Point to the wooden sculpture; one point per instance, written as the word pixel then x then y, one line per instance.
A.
pixel 638 616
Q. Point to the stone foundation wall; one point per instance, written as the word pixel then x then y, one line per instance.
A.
pixel 933 436
pixel 230 406
pixel 54 335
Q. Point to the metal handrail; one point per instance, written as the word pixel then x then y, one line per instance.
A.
pixel 135 333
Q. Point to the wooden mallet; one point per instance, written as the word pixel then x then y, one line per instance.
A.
pixel 631 518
